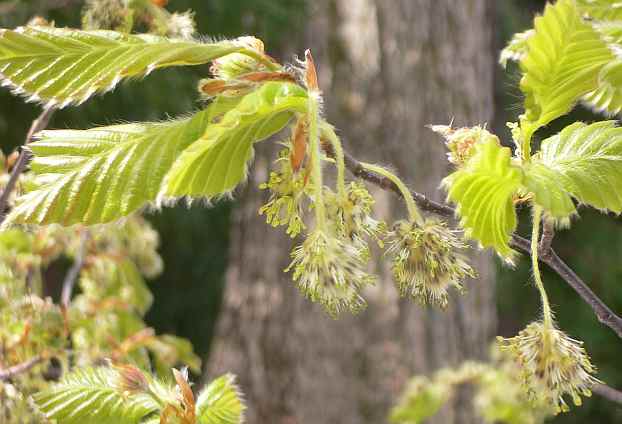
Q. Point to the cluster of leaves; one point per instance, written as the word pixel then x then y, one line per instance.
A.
pixel 104 174
pixel 105 318
pixel 125 394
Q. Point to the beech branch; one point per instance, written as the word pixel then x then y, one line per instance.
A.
pixel 24 158
pixel 8 373
pixel 604 314
pixel 547 255
pixel 608 393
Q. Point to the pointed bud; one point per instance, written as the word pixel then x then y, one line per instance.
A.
pixel 233 65
pixel 461 141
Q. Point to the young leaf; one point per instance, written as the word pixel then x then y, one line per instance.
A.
pixel 601 9
pixel 220 402
pixel 66 66
pixel 516 48
pixel 586 162
pixel 217 163
pixel 93 396
pixel 607 97
pixel 562 63
pixel 103 174
pixel 542 182
pixel 483 190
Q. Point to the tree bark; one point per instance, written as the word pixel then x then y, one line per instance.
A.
pixel 387 69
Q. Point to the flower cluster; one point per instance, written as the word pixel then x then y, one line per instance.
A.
pixel 425 260
pixel 553 364
pixel 287 192
pixel 351 215
pixel 329 270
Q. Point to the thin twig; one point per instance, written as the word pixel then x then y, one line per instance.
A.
pixel 74 271
pixel 24 158
pixel 548 233
pixel 604 314
pixel 608 393
pixel 11 372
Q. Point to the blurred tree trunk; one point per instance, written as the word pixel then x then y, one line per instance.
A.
pixel 387 69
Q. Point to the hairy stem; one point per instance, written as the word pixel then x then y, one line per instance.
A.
pixel 335 142
pixel 535 234
pixel 316 160
pixel 413 210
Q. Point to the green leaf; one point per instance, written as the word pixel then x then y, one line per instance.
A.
pixel 516 48
pixel 542 182
pixel 220 402
pixel 60 66
pixel 92 396
pixel 217 163
pixel 586 161
pixel 483 190
pixel 103 174
pixel 562 64
pixel 607 97
pixel 601 9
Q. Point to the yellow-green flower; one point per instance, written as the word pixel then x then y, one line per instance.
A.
pixel 554 365
pixel 287 192
pixel 351 216
pixel 426 262
pixel 330 270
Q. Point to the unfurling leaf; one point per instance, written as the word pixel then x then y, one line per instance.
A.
pixel 483 190
pixel 585 161
pixel 607 97
pixel 94 396
pixel 220 402
pixel 216 164
pixel 516 48
pixel 103 174
pixel 66 66
pixel 606 10
pixel 564 58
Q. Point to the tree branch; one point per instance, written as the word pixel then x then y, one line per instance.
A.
pixel 548 233
pixel 24 158
pixel 608 393
pixel 11 372
pixel 604 314
pixel 74 271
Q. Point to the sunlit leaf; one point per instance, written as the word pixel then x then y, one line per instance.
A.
pixel 103 174
pixel 92 396
pixel 217 163
pixel 601 9
pixel 483 190
pixel 65 66
pixel 562 64
pixel 586 161
pixel 220 402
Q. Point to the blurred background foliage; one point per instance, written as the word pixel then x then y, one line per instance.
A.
pixel 195 240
